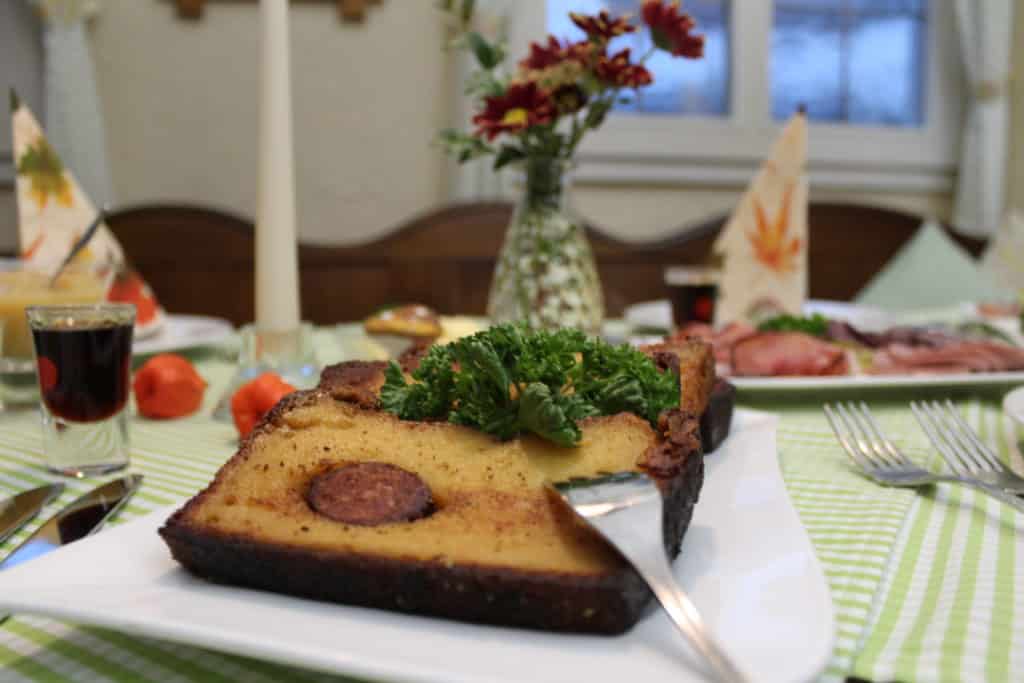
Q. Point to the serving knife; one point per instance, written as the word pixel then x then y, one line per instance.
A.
pixel 83 517
pixel 626 509
pixel 17 510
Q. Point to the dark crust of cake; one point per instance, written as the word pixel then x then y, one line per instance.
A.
pixel 694 361
pixel 355 381
pixel 561 601
pixel 717 419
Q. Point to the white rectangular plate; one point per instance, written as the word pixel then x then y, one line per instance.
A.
pixel 746 562
pixel 972 379
pixel 659 314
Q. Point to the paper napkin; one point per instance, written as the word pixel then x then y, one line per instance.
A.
pixel 764 244
pixel 1004 257
pixel 929 271
pixel 54 211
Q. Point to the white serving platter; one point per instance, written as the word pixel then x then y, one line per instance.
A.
pixel 746 562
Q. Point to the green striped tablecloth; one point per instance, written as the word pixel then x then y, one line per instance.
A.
pixel 923 584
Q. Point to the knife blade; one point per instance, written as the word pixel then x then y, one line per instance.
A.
pixel 17 510
pixel 83 517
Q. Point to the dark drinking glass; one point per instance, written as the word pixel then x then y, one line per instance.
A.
pixel 83 364
pixel 693 292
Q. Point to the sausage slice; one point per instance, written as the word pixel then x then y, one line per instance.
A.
pixel 370 493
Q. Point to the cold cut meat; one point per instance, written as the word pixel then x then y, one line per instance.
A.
pixel 777 354
pixel 965 356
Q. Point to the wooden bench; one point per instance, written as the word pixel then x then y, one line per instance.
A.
pixel 200 260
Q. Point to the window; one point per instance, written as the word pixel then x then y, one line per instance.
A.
pixel 879 80
pixel 858 62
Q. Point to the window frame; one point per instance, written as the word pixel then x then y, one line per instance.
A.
pixel 710 151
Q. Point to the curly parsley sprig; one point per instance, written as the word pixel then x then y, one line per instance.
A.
pixel 815 325
pixel 508 380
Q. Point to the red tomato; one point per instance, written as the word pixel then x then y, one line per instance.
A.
pixel 167 386
pixel 255 398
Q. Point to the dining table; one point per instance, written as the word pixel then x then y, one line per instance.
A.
pixel 925 583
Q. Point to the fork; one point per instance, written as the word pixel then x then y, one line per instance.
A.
pixel 626 509
pixel 961 448
pixel 880 460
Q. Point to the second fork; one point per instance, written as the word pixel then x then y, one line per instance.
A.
pixel 878 458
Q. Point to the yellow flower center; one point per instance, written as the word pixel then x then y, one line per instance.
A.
pixel 516 117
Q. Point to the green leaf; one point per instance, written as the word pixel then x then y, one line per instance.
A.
pixel 661 40
pixel 15 102
pixel 487 55
pixel 506 155
pixel 463 146
pixel 540 413
pixel 596 113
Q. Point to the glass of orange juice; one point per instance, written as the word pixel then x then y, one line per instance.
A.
pixel 23 285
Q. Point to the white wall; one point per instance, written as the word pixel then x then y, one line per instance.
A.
pixel 1015 179
pixel 180 102
pixel 180 99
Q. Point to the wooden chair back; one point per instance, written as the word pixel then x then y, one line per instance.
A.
pixel 848 244
pixel 200 260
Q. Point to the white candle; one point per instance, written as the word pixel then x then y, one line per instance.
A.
pixel 277 264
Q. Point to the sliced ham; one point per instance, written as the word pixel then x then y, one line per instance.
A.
pixel 722 341
pixel 958 357
pixel 732 333
pixel 777 354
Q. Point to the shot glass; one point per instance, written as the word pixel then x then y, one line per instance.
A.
pixel 24 284
pixel 83 359
pixel 693 291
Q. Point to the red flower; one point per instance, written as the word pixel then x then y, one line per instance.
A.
pixel 521 106
pixel 583 52
pixel 603 27
pixel 670 30
pixel 541 56
pixel 617 71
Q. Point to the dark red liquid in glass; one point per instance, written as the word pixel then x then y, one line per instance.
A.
pixel 84 372
pixel 693 303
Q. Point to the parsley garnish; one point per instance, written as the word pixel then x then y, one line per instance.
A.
pixel 508 380
pixel 815 325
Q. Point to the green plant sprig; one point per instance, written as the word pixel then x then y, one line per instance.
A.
pixel 507 380
pixel 815 325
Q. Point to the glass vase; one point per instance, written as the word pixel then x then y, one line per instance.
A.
pixel 545 273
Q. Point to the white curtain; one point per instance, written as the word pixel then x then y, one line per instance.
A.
pixel 475 180
pixel 985 28
pixel 73 116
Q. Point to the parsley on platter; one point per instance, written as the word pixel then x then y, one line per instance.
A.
pixel 815 325
pixel 508 380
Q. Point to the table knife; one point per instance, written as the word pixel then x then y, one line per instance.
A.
pixel 81 518
pixel 17 510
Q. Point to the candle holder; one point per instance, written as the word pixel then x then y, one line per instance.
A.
pixel 290 354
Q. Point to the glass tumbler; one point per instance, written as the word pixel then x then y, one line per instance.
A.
pixel 83 359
